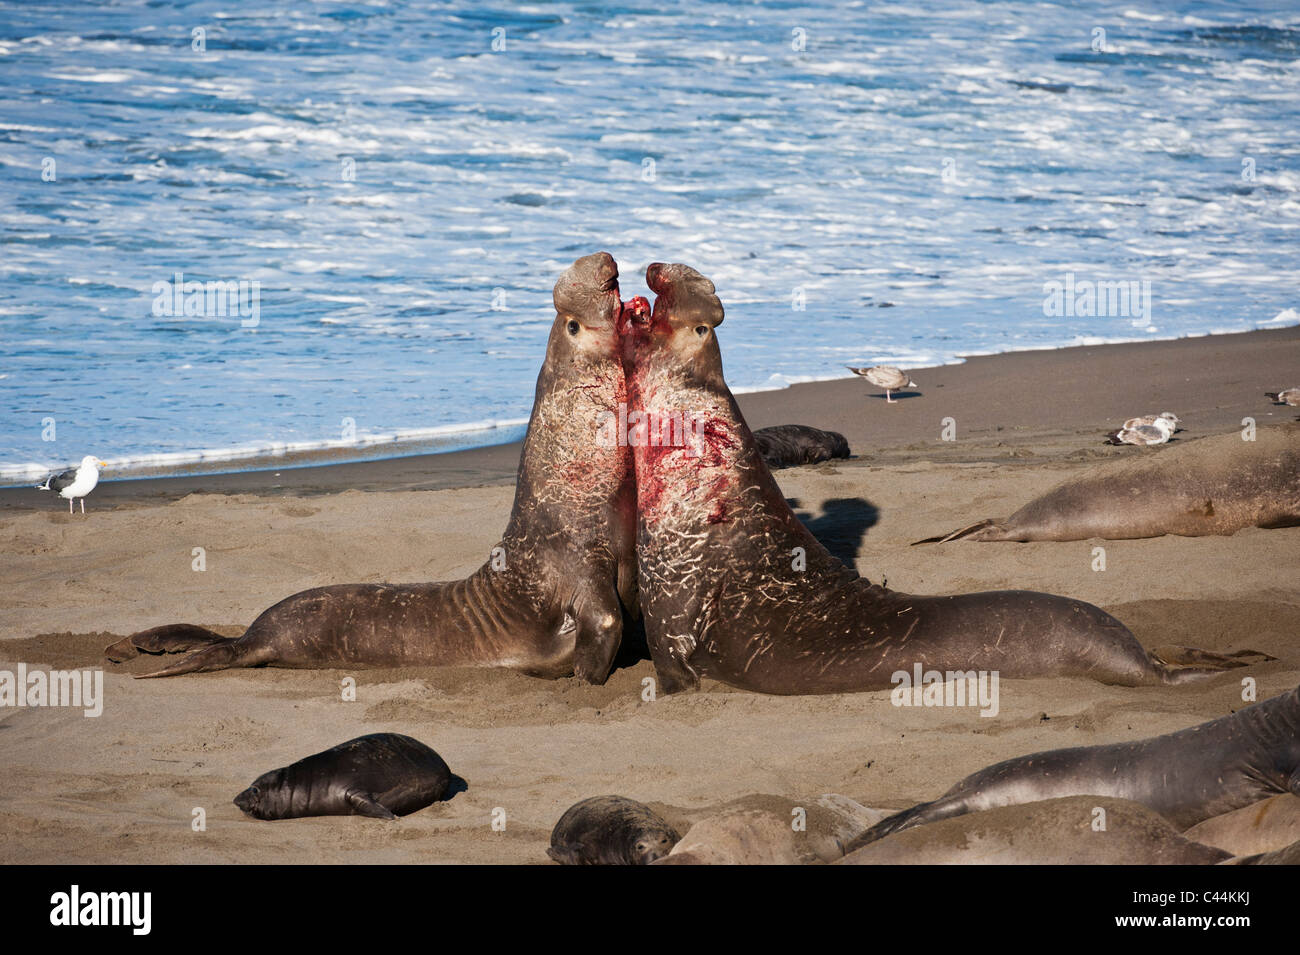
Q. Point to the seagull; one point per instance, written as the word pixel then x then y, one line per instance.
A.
pixel 75 482
pixel 1144 434
pixel 1290 396
pixel 1150 419
pixel 885 376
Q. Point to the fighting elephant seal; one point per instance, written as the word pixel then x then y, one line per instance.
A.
pixel 610 830
pixel 383 775
pixel 735 588
pixel 1079 830
pixel 548 602
pixel 789 445
pixel 1187 776
pixel 1212 486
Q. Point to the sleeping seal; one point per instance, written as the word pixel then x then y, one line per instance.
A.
pixel 1187 776
pixel 610 830
pixel 1212 486
pixel 789 445
pixel 383 775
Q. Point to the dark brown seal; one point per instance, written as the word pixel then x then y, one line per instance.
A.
pixel 1213 486
pixel 548 602
pixel 611 830
pixel 383 775
pixel 1187 776
pixel 789 445
pixel 735 588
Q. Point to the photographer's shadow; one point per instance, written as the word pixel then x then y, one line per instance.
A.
pixel 842 525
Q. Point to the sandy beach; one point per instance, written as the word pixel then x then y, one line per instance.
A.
pixel 123 787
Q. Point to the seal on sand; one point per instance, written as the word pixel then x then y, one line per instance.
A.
pixel 1051 832
pixel 1212 486
pixel 1187 776
pixel 383 775
pixel 610 830
pixel 548 603
pixel 735 588
pixel 789 445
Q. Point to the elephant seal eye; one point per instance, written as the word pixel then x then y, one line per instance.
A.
pixel 702 330
pixel 573 328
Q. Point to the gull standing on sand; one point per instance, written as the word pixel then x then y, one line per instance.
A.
pixel 885 376
pixel 1150 419
pixel 1288 396
pixel 75 482
pixel 1158 432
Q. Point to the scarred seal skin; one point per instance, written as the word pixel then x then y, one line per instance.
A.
pixel 1187 776
pixel 790 445
pixel 735 588
pixel 550 603
pixel 610 830
pixel 1213 486
pixel 383 775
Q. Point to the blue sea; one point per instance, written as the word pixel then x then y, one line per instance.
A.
pixel 403 183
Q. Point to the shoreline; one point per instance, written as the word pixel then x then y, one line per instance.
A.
pixel 1015 395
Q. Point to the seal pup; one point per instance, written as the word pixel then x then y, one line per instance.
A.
pixel 610 830
pixel 1211 486
pixel 1158 431
pixel 550 600
pixel 75 482
pixel 885 376
pixel 1187 776
pixel 1287 396
pixel 734 587
pixel 789 445
pixel 1078 830
pixel 1265 826
pixel 383 775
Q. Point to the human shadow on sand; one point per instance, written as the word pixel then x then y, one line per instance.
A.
pixel 842 525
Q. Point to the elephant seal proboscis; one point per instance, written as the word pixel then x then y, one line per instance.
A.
pixel 610 830
pixel 1266 826
pixel 790 445
pixel 1078 830
pixel 735 588
pixel 383 775
pixel 1186 776
pixel 1211 486
pixel 548 602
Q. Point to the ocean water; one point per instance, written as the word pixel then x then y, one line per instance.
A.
pixel 865 182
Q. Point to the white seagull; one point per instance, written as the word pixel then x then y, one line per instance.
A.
pixel 1150 419
pixel 1288 396
pixel 75 482
pixel 1144 434
pixel 885 376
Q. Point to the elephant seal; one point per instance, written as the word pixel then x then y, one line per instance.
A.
pixel 1288 855
pixel 1212 486
pixel 1066 831
pixel 1187 776
pixel 735 588
pixel 549 602
pixel 741 837
pixel 789 445
pixel 383 775
pixel 610 830
pixel 1265 826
